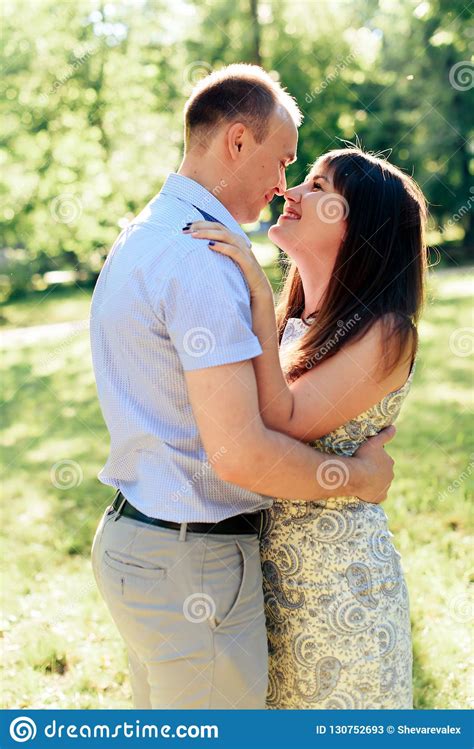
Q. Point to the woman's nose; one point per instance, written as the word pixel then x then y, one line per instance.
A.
pixel 292 195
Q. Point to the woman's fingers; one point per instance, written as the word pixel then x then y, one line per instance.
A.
pixel 205 224
pixel 215 232
pixel 207 230
pixel 223 247
pixel 195 225
pixel 210 234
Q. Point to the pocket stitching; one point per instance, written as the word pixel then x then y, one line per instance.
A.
pixel 239 596
pixel 156 573
pixel 108 515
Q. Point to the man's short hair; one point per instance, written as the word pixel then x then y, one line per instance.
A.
pixel 240 93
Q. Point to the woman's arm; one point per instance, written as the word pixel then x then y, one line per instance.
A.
pixel 328 395
pixel 344 386
pixel 275 398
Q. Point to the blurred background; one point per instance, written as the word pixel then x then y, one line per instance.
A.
pixel 92 124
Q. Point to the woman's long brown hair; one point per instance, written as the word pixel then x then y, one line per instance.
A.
pixel 379 270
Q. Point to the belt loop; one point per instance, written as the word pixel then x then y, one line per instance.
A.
pixel 182 531
pixel 120 508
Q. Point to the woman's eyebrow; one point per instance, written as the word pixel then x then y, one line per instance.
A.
pixel 320 176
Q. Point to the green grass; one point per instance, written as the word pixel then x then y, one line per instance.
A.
pixel 57 304
pixel 61 648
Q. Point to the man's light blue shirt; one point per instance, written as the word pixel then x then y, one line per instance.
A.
pixel 164 304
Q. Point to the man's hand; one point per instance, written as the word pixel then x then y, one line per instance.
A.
pixel 376 467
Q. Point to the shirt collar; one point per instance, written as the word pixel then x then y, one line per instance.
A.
pixel 192 192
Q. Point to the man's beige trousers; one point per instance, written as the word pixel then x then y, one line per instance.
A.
pixel 190 609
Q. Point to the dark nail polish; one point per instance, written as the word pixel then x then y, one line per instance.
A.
pixel 186 228
pixel 211 244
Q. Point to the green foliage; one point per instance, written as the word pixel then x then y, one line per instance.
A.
pixel 90 126
pixel 93 98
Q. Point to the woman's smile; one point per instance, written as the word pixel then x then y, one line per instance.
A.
pixel 290 214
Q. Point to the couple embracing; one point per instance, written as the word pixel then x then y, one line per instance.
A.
pixel 245 558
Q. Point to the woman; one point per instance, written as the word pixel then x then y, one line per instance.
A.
pixel 337 364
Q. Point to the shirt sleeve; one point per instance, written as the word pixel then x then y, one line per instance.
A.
pixel 206 305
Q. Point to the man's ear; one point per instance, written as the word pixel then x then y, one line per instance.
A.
pixel 235 139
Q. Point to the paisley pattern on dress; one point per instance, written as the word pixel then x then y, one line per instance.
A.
pixel 335 597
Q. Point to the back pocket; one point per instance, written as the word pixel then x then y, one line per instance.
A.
pixel 133 568
pixel 129 580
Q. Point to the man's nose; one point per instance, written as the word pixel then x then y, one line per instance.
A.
pixel 281 189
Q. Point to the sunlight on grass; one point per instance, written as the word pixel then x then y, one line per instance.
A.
pixel 56 305
pixel 61 648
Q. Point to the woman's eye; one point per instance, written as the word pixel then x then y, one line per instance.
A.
pixel 317 186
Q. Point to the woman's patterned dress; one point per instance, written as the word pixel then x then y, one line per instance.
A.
pixel 336 600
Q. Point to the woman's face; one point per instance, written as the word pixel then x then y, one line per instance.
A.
pixel 314 217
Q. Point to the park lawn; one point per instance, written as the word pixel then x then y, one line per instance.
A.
pixel 61 648
pixel 55 305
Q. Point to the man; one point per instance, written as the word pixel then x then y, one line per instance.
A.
pixel 176 556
